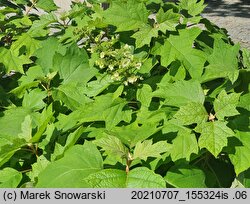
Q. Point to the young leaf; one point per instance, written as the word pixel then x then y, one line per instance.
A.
pixel 146 149
pixel 126 16
pixel 214 136
pixel 185 176
pixel 225 105
pixel 9 178
pixel 167 21
pixel 69 172
pixel 38 167
pixel 192 113
pixel 37 28
pixel 144 35
pixel 112 147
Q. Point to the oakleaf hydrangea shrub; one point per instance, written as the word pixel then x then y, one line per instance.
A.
pixel 96 97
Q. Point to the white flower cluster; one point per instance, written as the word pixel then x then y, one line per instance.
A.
pixel 118 61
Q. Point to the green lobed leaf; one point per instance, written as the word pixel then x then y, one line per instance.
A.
pixel 140 177
pixel 46 5
pixel 246 58
pixel 73 67
pixel 126 16
pixel 144 95
pixel 167 21
pixel 214 136
pixel 9 147
pixel 181 47
pixel 45 58
pixel 144 35
pixel 38 27
pixel 223 62
pixel 240 159
pixel 180 93
pixel 146 149
pixel 238 149
pixel 72 95
pixel 184 145
pixel 34 99
pixel 192 6
pixel 192 113
pixel 26 128
pixel 78 162
pixel 185 176
pixel 9 178
pixel 244 101
pixel 113 147
pixel 107 178
pixel 133 133
pixel 25 41
pixel 11 61
pixel 225 105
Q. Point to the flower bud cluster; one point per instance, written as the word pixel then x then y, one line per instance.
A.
pixel 118 60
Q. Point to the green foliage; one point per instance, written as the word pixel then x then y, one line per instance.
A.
pixel 144 94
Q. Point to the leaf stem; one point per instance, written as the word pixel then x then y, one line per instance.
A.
pixel 31 7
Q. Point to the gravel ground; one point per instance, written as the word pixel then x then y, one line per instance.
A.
pixel 233 15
